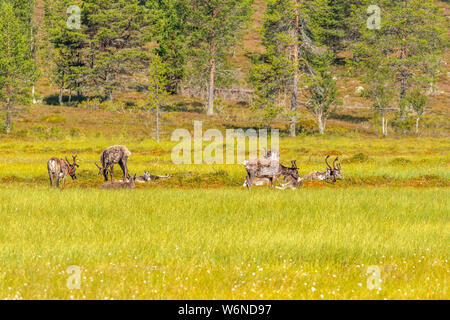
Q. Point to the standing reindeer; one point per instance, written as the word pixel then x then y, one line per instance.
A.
pixel 111 156
pixel 60 169
pixel 330 174
pixel 265 171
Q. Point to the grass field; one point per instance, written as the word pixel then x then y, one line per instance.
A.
pixel 202 236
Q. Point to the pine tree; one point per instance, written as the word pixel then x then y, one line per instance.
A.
pixel 64 48
pixel 16 62
pixel 409 42
pixel 169 20
pixel 292 37
pixel 213 27
pixel 114 50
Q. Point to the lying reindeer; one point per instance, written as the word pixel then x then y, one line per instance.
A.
pixel 331 174
pixel 129 184
pixel 60 169
pixel 150 177
pixel 291 175
pixel 111 156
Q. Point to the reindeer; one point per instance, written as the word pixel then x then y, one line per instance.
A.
pixel 111 156
pixel 150 177
pixel 129 184
pixel 268 172
pixel 258 182
pixel 60 169
pixel 331 174
pixel 291 176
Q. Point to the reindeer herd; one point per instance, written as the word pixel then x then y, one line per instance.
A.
pixel 260 172
pixel 59 169
pixel 267 171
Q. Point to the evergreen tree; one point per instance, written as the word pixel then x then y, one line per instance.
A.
pixel 409 42
pixel 213 27
pixel 16 61
pixel 169 31
pixel 293 35
pixel 114 50
pixel 64 48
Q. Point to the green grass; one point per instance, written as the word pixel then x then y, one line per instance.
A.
pixel 201 235
pixel 225 244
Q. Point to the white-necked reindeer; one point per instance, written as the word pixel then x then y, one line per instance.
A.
pixel 147 177
pixel 60 169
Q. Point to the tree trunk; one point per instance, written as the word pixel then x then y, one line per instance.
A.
pixel 212 71
pixel 321 123
pixel 384 126
pixel 293 130
pixel 33 94
pixel 109 96
pixel 60 98
pixel 8 111
pixel 417 125
pixel 157 124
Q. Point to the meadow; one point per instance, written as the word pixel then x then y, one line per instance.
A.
pixel 201 235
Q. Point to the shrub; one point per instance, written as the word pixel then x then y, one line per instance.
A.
pixel 360 157
pixel 53 119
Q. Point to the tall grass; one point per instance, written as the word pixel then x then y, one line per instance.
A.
pixel 225 243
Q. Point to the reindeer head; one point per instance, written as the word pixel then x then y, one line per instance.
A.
pixel 132 181
pixel 333 173
pixel 337 169
pixel 147 176
pixel 292 172
pixel 73 167
pixel 101 170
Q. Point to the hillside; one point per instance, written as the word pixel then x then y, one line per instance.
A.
pixel 354 116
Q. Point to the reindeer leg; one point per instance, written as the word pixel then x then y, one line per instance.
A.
pixel 123 167
pixel 51 179
pixel 125 164
pixel 105 174
pixel 63 183
pixel 111 172
pixel 57 182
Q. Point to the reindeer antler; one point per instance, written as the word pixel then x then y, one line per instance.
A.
pixel 326 161
pixel 75 160
pixel 334 162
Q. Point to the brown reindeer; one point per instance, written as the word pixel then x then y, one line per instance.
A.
pixel 111 156
pixel 331 174
pixel 60 169
pixel 129 184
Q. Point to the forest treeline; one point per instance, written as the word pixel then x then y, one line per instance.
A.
pixel 97 48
